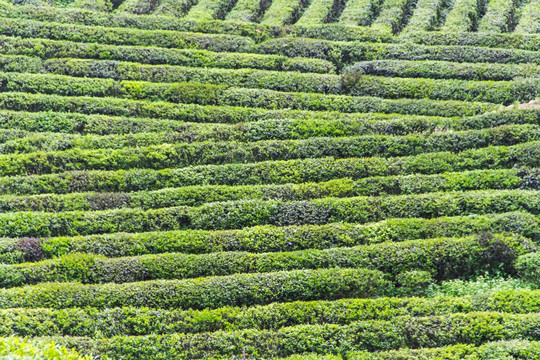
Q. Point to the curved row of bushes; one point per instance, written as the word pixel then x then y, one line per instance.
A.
pixel 240 214
pixel 26 158
pixel 201 293
pixel 236 24
pixel 443 70
pixel 401 332
pixel 355 82
pixel 445 258
pixel 360 89
pixel 508 40
pixel 343 53
pixel 512 349
pixel 18 101
pixel 271 172
pixel 331 125
pixel 131 321
pixel 267 238
pixel 299 125
pixel 124 36
pixel 198 195
pixel 47 49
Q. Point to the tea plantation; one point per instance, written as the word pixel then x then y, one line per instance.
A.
pixel 256 179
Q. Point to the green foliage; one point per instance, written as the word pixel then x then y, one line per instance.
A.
pixel 20 349
pixel 528 266
pixel 407 332
pixel 209 292
pixel 433 257
pixel 279 172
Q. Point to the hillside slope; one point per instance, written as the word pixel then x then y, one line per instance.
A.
pixel 184 179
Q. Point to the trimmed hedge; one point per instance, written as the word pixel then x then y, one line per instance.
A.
pixel 249 12
pixel 477 39
pixel 442 70
pixel 512 349
pixel 267 238
pixel 300 125
pixel 205 153
pixel 283 12
pixel 15 348
pixel 529 23
pixel 48 49
pixel 222 95
pixel 500 16
pixel 158 110
pixel 206 10
pixel 426 15
pixel 131 321
pixel 359 12
pixel 464 15
pixel 317 12
pixel 445 258
pixel 198 195
pixel 393 14
pixel 201 293
pixel 273 172
pixel 240 214
pixel 330 125
pixel 407 331
pixel 352 83
pixel 124 36
pixel 342 53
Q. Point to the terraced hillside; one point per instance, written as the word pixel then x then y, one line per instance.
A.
pixel 250 179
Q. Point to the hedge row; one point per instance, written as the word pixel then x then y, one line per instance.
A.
pixel 358 124
pixel 247 10
pixel 477 39
pixel 222 95
pixel 505 92
pixel 21 348
pixel 201 293
pixel 206 10
pixel 512 349
pixel 207 153
pixel 189 57
pixel 500 16
pixel 179 112
pixel 529 22
pixel 401 332
pixel 198 195
pixel 19 142
pixel 266 238
pixel 131 321
pixel 359 12
pixel 240 214
pixel 301 125
pixel 445 258
pixel 442 70
pixel 352 83
pixel 426 15
pixel 124 36
pixel 464 15
pixel 283 12
pixel 251 78
pixel 272 172
pixel 317 12
pixel 393 14
pixel 342 53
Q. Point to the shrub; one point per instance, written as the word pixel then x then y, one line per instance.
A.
pixel 528 266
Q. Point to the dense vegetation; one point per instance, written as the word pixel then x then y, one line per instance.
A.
pixel 292 179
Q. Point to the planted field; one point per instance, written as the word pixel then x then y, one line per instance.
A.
pixel 255 179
